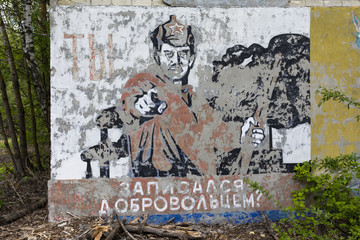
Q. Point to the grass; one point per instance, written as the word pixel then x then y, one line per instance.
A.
pixel 2 143
pixel 2 146
pixel 5 167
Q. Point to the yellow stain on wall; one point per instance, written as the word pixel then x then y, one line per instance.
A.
pixel 335 60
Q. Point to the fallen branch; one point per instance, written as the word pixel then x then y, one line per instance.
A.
pixel 135 220
pixel 125 230
pixel 19 214
pixel 143 222
pixel 83 234
pixel 181 234
pixel 98 232
pixel 268 226
pixel 342 230
pixel 170 221
pixel 13 187
pixel 145 218
pixel 113 233
pixel 73 215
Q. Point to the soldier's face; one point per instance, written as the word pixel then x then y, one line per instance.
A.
pixel 175 62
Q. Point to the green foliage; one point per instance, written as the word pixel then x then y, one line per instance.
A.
pixel 25 178
pixel 335 95
pixel 14 19
pixel 326 201
pixel 5 168
pixel 328 205
pixel 1 201
pixel 3 172
pixel 256 186
pixel 2 145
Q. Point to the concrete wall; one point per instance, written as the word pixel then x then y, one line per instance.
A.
pixel 324 3
pixel 335 50
pixel 150 115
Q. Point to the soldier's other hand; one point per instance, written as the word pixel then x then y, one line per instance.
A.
pixel 258 136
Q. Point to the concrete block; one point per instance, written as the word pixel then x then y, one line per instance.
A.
pixel 73 2
pixel 297 3
pixel 121 2
pixel 314 3
pixel 333 3
pixel 142 2
pixel 351 3
pixel 229 3
pixel 96 197
pixel 100 2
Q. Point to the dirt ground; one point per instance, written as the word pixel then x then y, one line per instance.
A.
pixel 35 226
pixel 18 195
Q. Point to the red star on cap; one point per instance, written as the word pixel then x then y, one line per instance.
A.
pixel 177 28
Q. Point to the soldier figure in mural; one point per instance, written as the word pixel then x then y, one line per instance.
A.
pixel 170 131
pixel 170 135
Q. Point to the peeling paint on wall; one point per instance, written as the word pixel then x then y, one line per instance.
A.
pixel 202 199
pixel 335 60
pixel 191 96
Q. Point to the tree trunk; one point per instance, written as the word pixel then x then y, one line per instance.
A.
pixel 34 128
pixel 11 217
pixel 19 166
pixel 44 20
pixel 20 22
pixel 45 60
pixel 29 54
pixel 6 142
pixel 16 90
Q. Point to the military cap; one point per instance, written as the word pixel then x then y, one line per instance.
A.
pixel 173 33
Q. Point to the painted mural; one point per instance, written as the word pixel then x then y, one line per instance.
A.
pixel 167 134
pixel 166 111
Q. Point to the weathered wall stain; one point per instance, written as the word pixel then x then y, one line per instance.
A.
pixel 175 197
pixel 335 64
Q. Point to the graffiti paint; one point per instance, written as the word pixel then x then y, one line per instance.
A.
pixel 185 196
pixel 166 196
pixel 356 21
pixel 74 37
